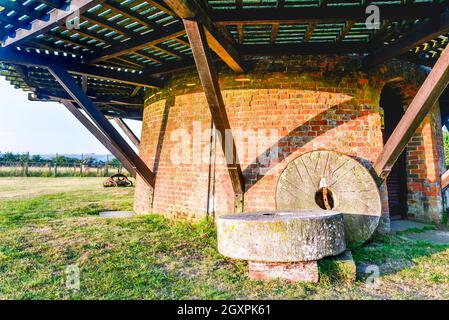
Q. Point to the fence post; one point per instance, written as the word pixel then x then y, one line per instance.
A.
pixel 106 166
pixel 81 165
pixel 56 165
pixel 26 164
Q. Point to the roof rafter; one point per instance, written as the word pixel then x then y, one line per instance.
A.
pixel 55 18
pixel 323 14
pixel 422 33
pixel 30 59
pixel 190 9
pixel 140 42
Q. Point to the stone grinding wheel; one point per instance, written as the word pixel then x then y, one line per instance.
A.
pixel 288 236
pixel 323 180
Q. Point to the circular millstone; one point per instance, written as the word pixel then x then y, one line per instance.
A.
pixel 330 180
pixel 281 236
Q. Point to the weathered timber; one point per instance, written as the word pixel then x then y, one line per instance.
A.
pixel 418 35
pixel 209 80
pixel 69 84
pixel 99 135
pixel 445 180
pixel 56 17
pixel 127 130
pixel 420 106
pixel 330 14
pixel 8 55
pixel 188 9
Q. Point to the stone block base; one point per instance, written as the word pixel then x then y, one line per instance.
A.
pixel 287 271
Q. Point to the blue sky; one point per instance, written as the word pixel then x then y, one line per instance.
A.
pixel 43 127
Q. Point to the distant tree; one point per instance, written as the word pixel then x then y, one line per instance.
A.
pixel 60 160
pixel 10 157
pixel 114 163
pixel 24 157
pixel 37 158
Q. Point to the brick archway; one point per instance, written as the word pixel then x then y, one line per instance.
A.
pixel 422 162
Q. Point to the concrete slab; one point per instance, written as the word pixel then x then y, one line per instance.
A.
pixel 117 214
pixel 403 225
pixel 432 236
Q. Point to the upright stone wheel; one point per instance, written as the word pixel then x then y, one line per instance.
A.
pixel 328 180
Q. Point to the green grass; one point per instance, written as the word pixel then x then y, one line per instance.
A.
pixel 150 257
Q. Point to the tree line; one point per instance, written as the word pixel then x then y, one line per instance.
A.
pixel 60 160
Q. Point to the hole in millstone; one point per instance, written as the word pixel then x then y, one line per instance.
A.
pixel 268 214
pixel 324 199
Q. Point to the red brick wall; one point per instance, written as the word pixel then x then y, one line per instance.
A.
pixel 425 165
pixel 311 102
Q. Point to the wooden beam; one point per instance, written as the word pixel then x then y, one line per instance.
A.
pixel 422 33
pixel 445 180
pixel 305 48
pixel 161 6
pixel 127 130
pixel 424 100
pixel 56 18
pixel 346 29
pixel 310 30
pixel 109 25
pixel 23 10
pixel 147 56
pixel 190 9
pixel 40 60
pixel 128 13
pixel 274 33
pixel 139 42
pixel 209 79
pixel 323 14
pixel 70 86
pixel 99 135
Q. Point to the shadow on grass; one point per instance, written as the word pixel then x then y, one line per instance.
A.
pixel 392 254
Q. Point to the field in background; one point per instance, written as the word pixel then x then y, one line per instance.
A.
pixel 49 224
pixel 21 170
pixel 23 188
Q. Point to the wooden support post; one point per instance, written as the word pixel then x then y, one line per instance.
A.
pixel 99 135
pixel 209 80
pixel 445 180
pixel 71 87
pixel 424 100
pixel 192 9
pixel 127 130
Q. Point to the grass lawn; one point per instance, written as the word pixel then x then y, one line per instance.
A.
pixel 44 228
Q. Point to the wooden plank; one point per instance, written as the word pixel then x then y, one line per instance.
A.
pixel 274 33
pixel 209 80
pixel 445 180
pixel 128 13
pixel 188 9
pixel 323 14
pixel 56 17
pixel 305 48
pixel 424 100
pixel 39 60
pixel 70 86
pixel 23 10
pixel 127 130
pixel 139 42
pixel 346 29
pixel 99 135
pixel 310 30
pixel 422 33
